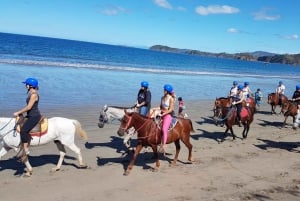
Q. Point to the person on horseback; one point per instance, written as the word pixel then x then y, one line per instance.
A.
pixel 280 89
pixel 233 91
pixel 33 113
pixel 296 97
pixel 246 91
pixel 167 111
pixel 143 102
pixel 238 99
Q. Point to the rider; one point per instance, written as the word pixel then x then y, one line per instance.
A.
pixel 296 97
pixel 280 89
pixel 233 91
pixel 167 111
pixel 33 114
pixel 238 102
pixel 246 90
pixel 143 101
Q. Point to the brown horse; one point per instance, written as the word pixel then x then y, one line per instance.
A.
pixel 228 115
pixel 289 108
pixel 149 134
pixel 227 102
pixel 274 100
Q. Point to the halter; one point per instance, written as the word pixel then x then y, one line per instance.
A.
pixel 129 122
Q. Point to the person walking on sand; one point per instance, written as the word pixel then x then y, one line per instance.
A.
pixel 143 102
pixel 167 111
pixel 33 114
pixel 181 107
pixel 258 97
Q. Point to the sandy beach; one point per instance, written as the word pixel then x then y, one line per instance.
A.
pixel 265 166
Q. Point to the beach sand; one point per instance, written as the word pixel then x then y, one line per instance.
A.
pixel 265 166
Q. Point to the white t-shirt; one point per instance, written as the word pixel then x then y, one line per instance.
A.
pixel 233 91
pixel 280 89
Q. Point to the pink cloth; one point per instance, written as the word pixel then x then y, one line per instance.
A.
pixel 167 120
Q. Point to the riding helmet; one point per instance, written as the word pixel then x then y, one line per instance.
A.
pixel 280 82
pixel 240 87
pixel 235 82
pixel 298 87
pixel 31 82
pixel 144 84
pixel 168 88
pixel 246 83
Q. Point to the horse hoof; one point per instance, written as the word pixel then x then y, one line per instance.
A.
pixel 27 174
pixel 55 169
pixel 83 166
pixel 126 173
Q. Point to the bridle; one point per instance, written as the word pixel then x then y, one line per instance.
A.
pixel 129 122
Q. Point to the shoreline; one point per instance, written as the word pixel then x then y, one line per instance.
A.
pixel 265 165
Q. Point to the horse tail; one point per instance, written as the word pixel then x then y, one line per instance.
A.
pixel 191 124
pixel 79 130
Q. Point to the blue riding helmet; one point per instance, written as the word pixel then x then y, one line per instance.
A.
pixel 240 87
pixel 144 84
pixel 298 87
pixel 168 88
pixel 235 82
pixel 246 83
pixel 280 82
pixel 31 82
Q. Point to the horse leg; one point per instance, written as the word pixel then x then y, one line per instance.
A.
pixel 284 122
pixel 130 166
pixel 246 129
pixel 3 151
pixel 76 150
pixel 62 153
pixel 177 145
pixel 232 133
pixel 155 156
pixel 188 144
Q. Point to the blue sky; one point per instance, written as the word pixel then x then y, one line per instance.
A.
pixel 207 25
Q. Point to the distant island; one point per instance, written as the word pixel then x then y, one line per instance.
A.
pixel 290 59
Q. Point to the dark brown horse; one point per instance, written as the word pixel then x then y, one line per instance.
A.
pixel 227 102
pixel 228 115
pixel 149 134
pixel 289 108
pixel 274 99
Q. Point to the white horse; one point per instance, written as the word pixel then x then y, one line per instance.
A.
pixel 60 130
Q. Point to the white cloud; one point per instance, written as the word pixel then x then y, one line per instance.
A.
pixel 233 30
pixel 263 15
pixel 113 10
pixel 291 37
pixel 163 4
pixel 216 9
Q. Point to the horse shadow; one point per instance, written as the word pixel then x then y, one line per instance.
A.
pixel 289 146
pixel 115 143
pixel 35 161
pixel 265 123
pixel 205 120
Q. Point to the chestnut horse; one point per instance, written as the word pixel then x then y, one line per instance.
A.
pixel 228 115
pixel 149 134
pixel 289 108
pixel 274 100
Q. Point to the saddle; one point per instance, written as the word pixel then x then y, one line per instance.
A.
pixel 39 129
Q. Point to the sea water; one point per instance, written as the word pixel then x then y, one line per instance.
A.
pixel 73 73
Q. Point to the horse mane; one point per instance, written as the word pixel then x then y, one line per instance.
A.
pixel 221 98
pixel 124 108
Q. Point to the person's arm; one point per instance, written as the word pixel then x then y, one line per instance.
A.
pixel 33 98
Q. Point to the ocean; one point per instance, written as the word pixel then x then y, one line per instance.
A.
pixel 73 73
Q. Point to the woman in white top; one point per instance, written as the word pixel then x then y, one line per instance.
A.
pixel 167 110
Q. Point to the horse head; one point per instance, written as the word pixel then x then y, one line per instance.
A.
pixel 126 122
pixel 103 117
